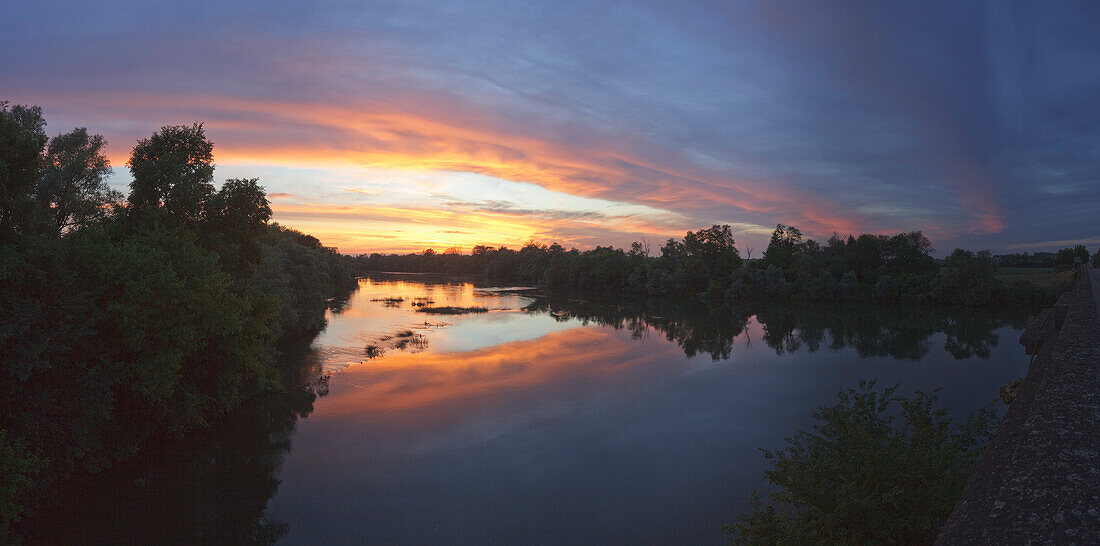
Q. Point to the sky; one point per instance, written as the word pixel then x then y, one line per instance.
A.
pixel 394 127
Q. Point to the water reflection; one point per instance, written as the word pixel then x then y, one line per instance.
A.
pixel 210 488
pixel 383 318
pixel 700 327
pixel 578 419
pixel 554 418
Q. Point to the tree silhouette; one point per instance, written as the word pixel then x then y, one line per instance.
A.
pixel 22 139
pixel 73 190
pixel 174 168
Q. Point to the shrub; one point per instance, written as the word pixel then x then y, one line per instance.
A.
pixel 865 476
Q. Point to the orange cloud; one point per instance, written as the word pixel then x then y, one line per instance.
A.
pixel 373 228
pixel 445 137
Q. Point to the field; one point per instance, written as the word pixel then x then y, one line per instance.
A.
pixel 1045 277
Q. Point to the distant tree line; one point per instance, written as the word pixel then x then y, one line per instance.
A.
pixel 1063 259
pixel 1024 259
pixel 119 319
pixel 898 268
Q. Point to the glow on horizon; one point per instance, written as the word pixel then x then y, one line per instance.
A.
pixel 367 210
pixel 413 172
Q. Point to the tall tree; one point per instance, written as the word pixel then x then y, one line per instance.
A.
pixel 235 219
pixel 73 189
pixel 173 169
pixel 716 247
pixel 784 248
pixel 22 139
pixel 1065 256
pixel 909 253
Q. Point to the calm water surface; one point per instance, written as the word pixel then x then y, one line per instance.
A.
pixel 548 419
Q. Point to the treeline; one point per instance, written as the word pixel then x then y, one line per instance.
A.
pixel 1063 259
pixel 880 268
pixel 120 320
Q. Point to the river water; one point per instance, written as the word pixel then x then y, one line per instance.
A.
pixel 550 418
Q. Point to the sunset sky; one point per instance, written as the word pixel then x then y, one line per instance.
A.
pixel 399 126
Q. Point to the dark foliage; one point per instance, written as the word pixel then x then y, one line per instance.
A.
pixel 1024 259
pixel 878 468
pixel 118 322
pixel 452 310
pixel 1064 259
pixel 879 268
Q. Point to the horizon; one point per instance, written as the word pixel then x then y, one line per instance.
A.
pixel 757 256
pixel 393 129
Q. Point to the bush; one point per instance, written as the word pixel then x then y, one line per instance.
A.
pixel 864 476
pixel 884 288
pixel 849 286
pixel 17 469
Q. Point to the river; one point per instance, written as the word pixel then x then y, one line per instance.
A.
pixel 550 418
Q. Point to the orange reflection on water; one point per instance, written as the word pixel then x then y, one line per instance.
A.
pixel 577 359
pixel 365 301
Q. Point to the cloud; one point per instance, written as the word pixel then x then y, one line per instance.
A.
pixel 412 228
pixel 849 117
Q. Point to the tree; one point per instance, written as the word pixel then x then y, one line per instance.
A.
pixel 866 477
pixel 22 139
pixel 967 280
pixel 909 253
pixel 73 190
pixel 784 248
pixel 710 254
pixel 234 220
pixel 868 255
pixel 1065 256
pixel 173 169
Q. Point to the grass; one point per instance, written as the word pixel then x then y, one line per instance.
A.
pixel 452 310
pixel 1043 277
pixel 1023 270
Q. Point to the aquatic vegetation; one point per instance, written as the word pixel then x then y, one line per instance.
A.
pixel 373 351
pixel 453 310
pixel 399 341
